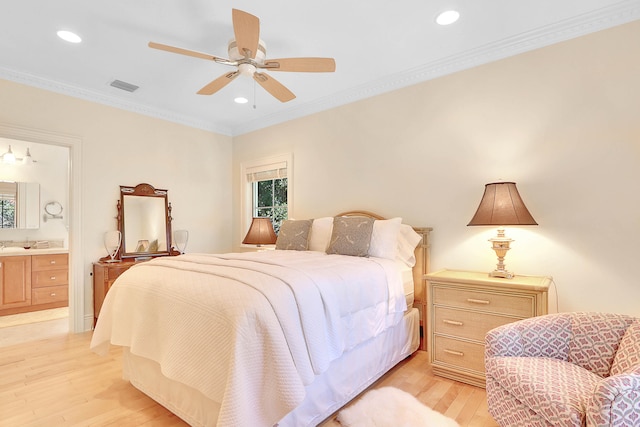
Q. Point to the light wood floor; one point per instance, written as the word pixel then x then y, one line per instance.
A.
pixel 59 382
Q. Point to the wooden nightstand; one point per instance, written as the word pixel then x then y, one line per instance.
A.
pixel 464 306
pixel 104 274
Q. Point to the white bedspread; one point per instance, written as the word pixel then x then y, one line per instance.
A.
pixel 249 330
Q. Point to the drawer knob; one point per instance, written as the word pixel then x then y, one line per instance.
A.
pixel 478 301
pixel 453 352
pixel 53 294
pixel 453 322
pixel 52 262
pixel 52 277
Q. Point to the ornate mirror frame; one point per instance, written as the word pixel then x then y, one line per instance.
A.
pixel 144 221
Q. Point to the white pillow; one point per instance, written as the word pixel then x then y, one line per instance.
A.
pixel 320 234
pixel 384 238
pixel 408 239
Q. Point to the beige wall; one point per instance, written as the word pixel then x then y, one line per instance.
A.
pixel 563 122
pixel 124 148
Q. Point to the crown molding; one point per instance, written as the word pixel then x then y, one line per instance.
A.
pixel 621 13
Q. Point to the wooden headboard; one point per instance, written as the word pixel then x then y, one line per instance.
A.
pixel 422 267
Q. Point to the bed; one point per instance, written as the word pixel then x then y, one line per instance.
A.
pixel 280 337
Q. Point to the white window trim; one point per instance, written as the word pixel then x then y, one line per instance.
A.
pixel 253 166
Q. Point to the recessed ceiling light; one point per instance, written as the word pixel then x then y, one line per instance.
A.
pixel 241 100
pixel 69 36
pixel 448 17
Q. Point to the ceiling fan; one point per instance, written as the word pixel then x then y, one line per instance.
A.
pixel 248 54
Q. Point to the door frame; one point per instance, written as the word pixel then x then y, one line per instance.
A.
pixel 76 270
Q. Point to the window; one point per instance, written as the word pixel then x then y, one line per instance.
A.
pixel 267 190
pixel 270 199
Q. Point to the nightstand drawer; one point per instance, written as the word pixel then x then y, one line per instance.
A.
pixel 49 294
pixel 49 278
pixel 514 305
pixel 462 354
pixel 466 324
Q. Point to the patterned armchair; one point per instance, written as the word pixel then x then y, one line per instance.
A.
pixel 566 369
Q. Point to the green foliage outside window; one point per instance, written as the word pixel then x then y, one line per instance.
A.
pixel 7 213
pixel 271 200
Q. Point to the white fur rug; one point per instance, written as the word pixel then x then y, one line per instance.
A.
pixel 391 407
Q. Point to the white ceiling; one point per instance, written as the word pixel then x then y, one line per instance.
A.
pixel 378 45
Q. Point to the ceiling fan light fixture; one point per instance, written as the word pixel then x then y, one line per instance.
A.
pixel 240 100
pixel 447 17
pixel 69 36
pixel 247 69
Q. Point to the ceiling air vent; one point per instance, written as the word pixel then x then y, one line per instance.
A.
pixel 124 85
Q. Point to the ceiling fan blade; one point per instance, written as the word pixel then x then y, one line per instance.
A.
pixel 218 83
pixel 246 28
pixel 309 65
pixel 187 52
pixel 274 87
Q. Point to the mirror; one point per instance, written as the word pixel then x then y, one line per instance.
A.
pixel 20 205
pixel 144 219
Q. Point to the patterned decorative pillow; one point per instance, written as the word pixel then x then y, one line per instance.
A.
pixel 628 354
pixel 294 235
pixel 351 236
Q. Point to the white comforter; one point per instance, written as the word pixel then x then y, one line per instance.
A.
pixel 249 330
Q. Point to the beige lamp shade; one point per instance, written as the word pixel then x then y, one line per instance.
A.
pixel 260 233
pixel 501 204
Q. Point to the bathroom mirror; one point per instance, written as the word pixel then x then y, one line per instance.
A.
pixel 19 205
pixel 144 219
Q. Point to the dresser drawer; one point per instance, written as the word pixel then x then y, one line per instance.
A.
pixel 49 294
pixel 49 262
pixel 49 278
pixel 515 305
pixel 466 324
pixel 458 353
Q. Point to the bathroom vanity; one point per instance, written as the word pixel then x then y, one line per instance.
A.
pixel 33 279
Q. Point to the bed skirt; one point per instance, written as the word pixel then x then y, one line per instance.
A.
pixel 346 378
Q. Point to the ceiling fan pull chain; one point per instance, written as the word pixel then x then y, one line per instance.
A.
pixel 254 94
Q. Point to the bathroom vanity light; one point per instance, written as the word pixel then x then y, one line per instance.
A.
pixel 10 158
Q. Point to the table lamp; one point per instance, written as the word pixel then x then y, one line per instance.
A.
pixel 260 232
pixel 501 205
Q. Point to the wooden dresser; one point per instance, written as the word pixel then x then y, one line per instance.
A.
pixel 104 274
pixel 463 306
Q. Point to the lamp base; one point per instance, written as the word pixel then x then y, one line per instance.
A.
pixel 501 273
pixel 500 244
